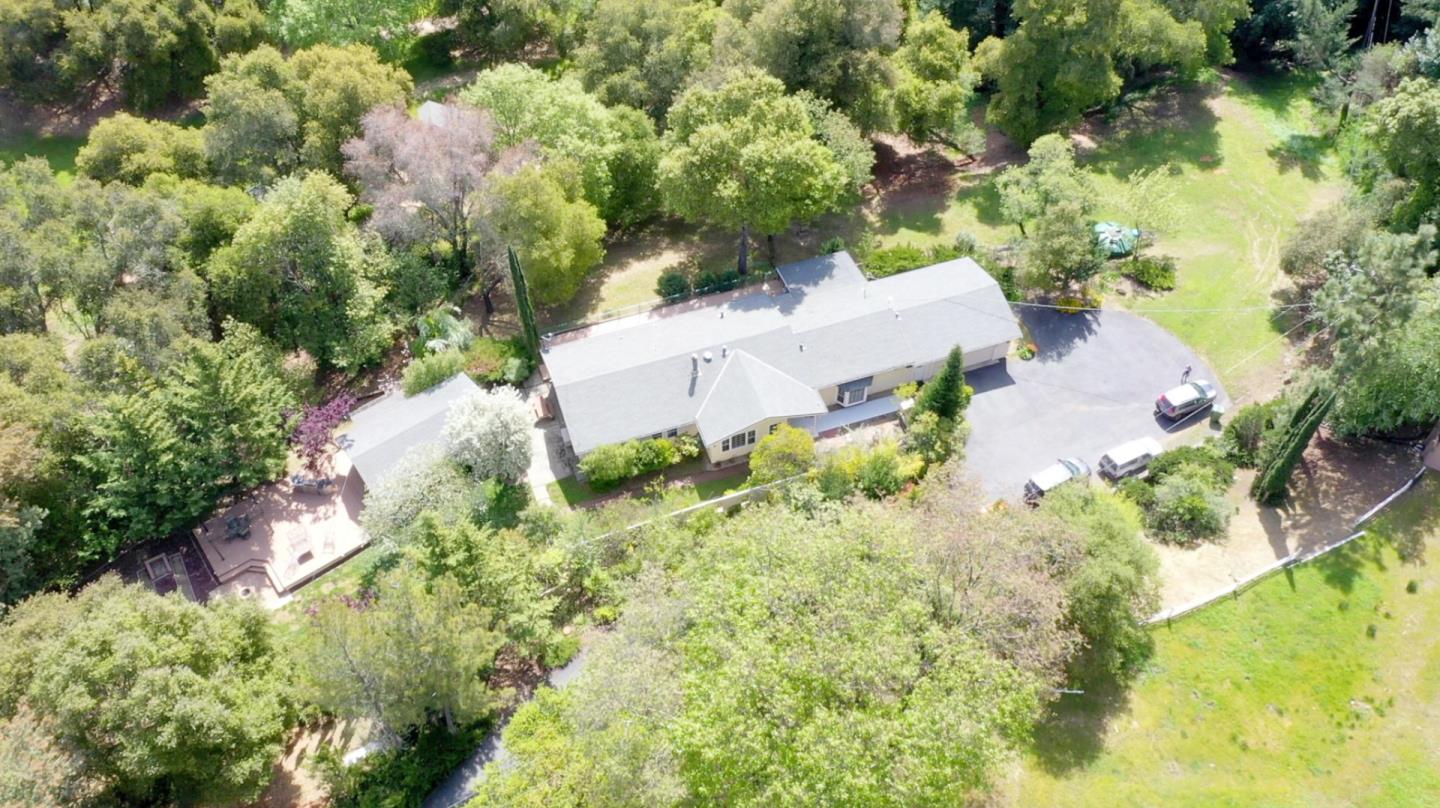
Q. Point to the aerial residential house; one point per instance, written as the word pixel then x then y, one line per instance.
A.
pixel 818 348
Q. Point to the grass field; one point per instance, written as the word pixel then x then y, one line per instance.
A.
pixel 1247 167
pixel 58 151
pixel 1318 687
pixel 571 492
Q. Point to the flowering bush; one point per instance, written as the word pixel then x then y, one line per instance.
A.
pixel 314 432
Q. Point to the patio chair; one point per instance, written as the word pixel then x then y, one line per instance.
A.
pixel 237 527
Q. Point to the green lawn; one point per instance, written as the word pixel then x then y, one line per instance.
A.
pixel 1247 167
pixel 59 151
pixel 1281 697
pixel 573 493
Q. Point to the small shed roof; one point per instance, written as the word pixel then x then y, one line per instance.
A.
pixel 383 431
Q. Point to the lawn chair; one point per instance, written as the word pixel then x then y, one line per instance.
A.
pixel 310 485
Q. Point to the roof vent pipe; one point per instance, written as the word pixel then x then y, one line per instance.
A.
pixel 802 347
pixel 694 365
pixel 724 350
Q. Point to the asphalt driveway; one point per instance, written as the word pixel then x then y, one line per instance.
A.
pixel 1091 386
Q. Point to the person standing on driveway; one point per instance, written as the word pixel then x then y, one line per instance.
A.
pixel 1185 375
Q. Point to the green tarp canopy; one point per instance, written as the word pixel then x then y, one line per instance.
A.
pixel 1116 239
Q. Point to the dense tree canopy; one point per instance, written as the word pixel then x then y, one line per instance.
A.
pixel 300 271
pixel 267 115
pixel 159 699
pixel 640 54
pixel 744 154
pixel 934 83
pixel 836 49
pixel 615 152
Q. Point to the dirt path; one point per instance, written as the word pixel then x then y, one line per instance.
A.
pixel 1335 483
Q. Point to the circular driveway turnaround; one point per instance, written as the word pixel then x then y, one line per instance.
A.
pixel 1091 386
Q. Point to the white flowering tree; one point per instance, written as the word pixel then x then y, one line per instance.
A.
pixel 489 433
pixel 425 479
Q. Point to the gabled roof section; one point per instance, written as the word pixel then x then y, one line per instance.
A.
pixel 383 431
pixel 748 391
pixel 824 325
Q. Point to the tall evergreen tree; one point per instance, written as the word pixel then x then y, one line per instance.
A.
pixel 946 394
pixel 523 305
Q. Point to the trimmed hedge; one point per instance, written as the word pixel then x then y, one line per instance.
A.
pixel 904 257
pixel 673 285
pixel 427 371
pixel 612 464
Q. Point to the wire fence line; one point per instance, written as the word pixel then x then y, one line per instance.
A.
pixel 1291 560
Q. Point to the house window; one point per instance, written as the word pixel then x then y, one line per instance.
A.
pixel 774 427
pixel 852 393
pixel 672 433
pixel 737 441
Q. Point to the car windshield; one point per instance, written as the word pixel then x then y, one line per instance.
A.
pixel 1199 391
pixel 1071 467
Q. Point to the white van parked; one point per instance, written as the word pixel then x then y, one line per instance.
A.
pixel 1129 458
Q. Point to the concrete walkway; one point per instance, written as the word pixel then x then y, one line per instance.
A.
pixel 461 785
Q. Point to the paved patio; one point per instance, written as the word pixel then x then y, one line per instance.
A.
pixel 293 537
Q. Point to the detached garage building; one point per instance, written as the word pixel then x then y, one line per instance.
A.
pixel 810 349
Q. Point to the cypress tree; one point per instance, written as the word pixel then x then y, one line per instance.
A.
pixel 946 394
pixel 523 305
pixel 1269 486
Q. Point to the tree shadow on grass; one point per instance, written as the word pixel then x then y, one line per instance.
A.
pixel 1304 153
pixel 1170 125
pixel 1071 733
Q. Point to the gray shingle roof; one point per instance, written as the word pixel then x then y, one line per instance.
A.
pixel 383 431
pixel 825 325
pixel 747 391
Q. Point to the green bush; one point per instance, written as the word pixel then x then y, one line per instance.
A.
pixel 1205 462
pixel 885 470
pixel 493 361
pixel 784 453
pixel 903 257
pixel 831 245
pixel 966 244
pixel 934 438
pixel 1153 272
pixel 609 465
pixel 1245 433
pixel 838 472
pixel 401 776
pixel 709 281
pixel 673 285
pixel 427 371
pixel 1138 491
pixel 1187 509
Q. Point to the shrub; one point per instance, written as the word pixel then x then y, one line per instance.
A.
pixel 1205 462
pixel 1153 272
pixel 966 244
pixel 609 465
pixel 1138 491
pixel 1187 509
pixel 708 281
pixel 933 438
pixel 834 244
pixel 494 361
pixel 903 257
pixel 673 285
pixel 1245 433
pixel 885 470
pixel 402 776
pixel 838 472
pixel 427 371
pixel 786 452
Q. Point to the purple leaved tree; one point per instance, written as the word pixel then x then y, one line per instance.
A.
pixel 314 435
